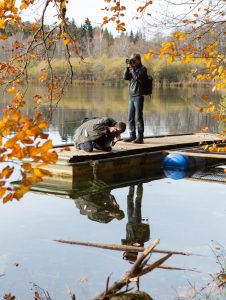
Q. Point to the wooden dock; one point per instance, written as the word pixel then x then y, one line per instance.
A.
pixel 128 162
pixel 151 144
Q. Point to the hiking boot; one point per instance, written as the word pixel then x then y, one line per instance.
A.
pixel 129 139
pixel 139 140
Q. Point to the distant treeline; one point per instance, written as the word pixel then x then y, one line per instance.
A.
pixel 109 70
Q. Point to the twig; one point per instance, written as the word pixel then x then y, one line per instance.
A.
pixel 121 247
pixel 137 270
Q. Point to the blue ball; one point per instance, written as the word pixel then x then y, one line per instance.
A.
pixel 176 161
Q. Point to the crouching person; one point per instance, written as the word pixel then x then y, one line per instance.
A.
pixel 98 133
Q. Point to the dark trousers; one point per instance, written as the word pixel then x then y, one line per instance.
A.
pixel 102 144
pixel 135 116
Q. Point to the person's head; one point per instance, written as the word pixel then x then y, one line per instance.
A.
pixel 119 128
pixel 135 59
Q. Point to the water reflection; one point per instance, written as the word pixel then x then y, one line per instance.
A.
pixel 168 111
pixel 137 232
pixel 99 207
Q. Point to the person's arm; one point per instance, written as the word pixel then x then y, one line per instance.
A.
pixel 127 74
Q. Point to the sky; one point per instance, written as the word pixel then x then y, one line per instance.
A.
pixel 81 9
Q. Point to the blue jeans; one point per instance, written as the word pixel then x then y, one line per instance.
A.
pixel 136 104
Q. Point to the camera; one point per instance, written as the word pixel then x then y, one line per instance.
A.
pixel 129 61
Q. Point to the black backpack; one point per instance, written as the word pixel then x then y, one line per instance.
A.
pixel 147 85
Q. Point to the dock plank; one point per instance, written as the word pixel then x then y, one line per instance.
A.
pixel 151 144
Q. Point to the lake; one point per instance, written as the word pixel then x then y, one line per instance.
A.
pixel 186 215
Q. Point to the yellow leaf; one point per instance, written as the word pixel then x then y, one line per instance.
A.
pixel 170 59
pixel 212 31
pixel 146 56
pixel 67 42
pixel 2 23
pixel 24 6
pixel 220 69
pixel 198 60
pixel 12 90
pixel 42 172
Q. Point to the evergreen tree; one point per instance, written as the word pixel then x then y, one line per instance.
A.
pixel 108 37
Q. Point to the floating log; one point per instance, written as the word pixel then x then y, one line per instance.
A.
pixel 121 247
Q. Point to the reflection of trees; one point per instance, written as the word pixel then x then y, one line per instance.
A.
pixel 168 111
pixel 136 231
pixel 99 207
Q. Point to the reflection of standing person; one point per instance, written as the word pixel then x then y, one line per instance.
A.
pixel 136 232
pixel 136 74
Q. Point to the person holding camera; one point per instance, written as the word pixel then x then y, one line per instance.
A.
pixel 136 74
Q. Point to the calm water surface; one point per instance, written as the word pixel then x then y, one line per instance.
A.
pixel 168 111
pixel 186 215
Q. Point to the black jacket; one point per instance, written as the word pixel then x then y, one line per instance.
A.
pixel 136 77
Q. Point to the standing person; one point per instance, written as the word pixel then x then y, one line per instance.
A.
pixel 98 133
pixel 136 73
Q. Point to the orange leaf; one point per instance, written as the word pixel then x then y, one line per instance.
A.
pixel 43 136
pixel 3 37
pixel 7 198
pixel 21 191
pixel 27 166
pixel 2 192
pixel 46 146
pixel 49 157
pixel 11 142
pixel 6 172
pixel 43 125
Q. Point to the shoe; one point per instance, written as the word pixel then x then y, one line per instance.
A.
pixel 139 140
pixel 129 140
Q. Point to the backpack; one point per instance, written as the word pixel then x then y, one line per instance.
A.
pixel 147 85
